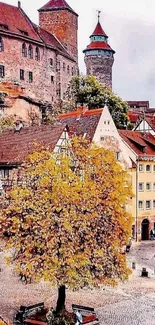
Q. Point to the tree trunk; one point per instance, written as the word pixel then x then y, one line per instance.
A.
pixel 61 299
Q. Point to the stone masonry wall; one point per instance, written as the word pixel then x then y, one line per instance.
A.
pixel 101 68
pixel 46 76
pixel 64 25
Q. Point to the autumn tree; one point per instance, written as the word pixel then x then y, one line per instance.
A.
pixel 6 123
pixel 66 221
pixel 87 90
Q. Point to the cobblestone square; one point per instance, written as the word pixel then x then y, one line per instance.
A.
pixel 131 303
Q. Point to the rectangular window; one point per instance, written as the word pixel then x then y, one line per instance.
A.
pixel 154 168
pixel 140 205
pixel 153 186
pixel 58 66
pixel 52 79
pixel 51 62
pixel 148 186
pixel 141 168
pixel 117 155
pixel 148 168
pixel 154 207
pixel 4 173
pixel 141 187
pixel 148 204
pixel 21 74
pixel 30 76
pixel 2 71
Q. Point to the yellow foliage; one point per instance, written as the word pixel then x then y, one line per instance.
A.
pixel 67 220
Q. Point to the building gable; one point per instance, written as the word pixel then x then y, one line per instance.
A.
pixel 146 125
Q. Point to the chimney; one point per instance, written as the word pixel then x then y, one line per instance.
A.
pixel 19 4
pixel 85 109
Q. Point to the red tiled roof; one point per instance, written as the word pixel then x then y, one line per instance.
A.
pixel 99 31
pixel 82 122
pixel 143 144
pixel 55 5
pixel 139 103
pixel 50 40
pixel 99 46
pixel 16 21
pixel 133 117
pixel 139 116
pixel 15 146
pixel 150 121
pixel 19 22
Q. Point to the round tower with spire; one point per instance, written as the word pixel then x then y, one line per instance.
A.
pixel 59 19
pixel 99 56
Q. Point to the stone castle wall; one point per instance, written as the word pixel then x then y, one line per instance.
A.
pixel 101 68
pixel 64 25
pixel 47 77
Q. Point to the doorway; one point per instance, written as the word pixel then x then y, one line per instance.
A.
pixel 145 229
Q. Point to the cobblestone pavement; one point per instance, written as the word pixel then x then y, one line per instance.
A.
pixel 136 311
pixel 131 303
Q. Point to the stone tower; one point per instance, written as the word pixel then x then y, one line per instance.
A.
pixel 58 18
pixel 99 56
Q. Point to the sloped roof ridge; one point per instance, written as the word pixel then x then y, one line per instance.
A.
pixel 61 48
pixel 7 4
pixel 29 20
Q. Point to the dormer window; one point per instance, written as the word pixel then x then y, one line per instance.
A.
pixel 1 45
pixel 24 32
pixel 24 50
pixel 37 54
pixel 30 52
pixel 4 26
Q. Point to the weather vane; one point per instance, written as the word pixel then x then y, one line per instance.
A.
pixel 99 12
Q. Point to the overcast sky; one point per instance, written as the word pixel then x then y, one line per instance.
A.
pixel 130 26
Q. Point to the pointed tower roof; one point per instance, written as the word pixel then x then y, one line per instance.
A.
pixel 57 5
pixel 98 31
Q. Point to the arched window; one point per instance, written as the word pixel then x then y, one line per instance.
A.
pixel 72 71
pixel 30 52
pixel 51 62
pixel 1 45
pixel 37 54
pixel 24 50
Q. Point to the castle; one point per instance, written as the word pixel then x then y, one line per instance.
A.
pixel 99 56
pixel 42 59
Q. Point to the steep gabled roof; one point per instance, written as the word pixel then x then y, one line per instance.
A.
pixel 81 122
pixel 98 31
pixel 57 5
pixel 51 40
pixel 15 146
pixel 14 20
pixel 143 144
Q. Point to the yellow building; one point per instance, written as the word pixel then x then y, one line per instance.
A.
pixel 141 149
